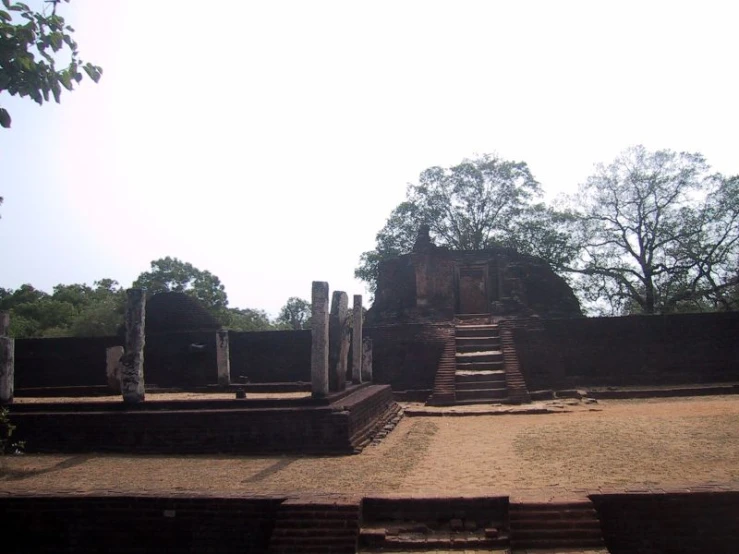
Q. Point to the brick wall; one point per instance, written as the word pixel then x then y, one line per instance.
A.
pixel 136 524
pixel 270 356
pixel 663 523
pixel 407 356
pixel 300 426
pixel 633 350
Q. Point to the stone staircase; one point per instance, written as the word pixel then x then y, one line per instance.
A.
pixel 480 375
pixel 555 525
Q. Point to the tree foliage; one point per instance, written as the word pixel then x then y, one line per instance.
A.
pixel 658 233
pixel 295 314
pixel 481 202
pixel 71 310
pixel 173 275
pixel 31 44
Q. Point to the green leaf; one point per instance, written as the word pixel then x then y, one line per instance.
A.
pixel 5 15
pixel 66 80
pixel 4 117
pixel 6 3
pixel 92 71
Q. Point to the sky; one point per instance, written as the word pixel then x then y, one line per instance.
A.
pixel 267 142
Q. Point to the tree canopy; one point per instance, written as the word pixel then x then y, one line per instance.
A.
pixel 658 232
pixel 479 203
pixel 31 44
pixel 295 314
pixel 173 275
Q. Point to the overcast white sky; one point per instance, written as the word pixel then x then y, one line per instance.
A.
pixel 267 142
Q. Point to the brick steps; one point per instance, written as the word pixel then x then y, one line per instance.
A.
pixel 555 525
pixel 480 369
pixel 320 527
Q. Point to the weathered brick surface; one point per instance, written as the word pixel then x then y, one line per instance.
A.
pixel 687 523
pixel 136 524
pixel 407 356
pixel 208 426
pixel 633 350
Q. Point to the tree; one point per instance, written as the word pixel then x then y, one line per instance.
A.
pixel 295 314
pixel 30 44
pixel 246 319
pixel 658 231
pixel 482 202
pixel 172 275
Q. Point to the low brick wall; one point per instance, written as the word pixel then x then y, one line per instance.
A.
pixel 137 524
pixel 632 350
pixel 407 356
pixel 300 426
pixel 688 523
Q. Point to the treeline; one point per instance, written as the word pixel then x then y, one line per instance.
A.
pixel 651 232
pixel 81 310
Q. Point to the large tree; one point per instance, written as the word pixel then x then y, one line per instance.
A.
pixel 481 202
pixel 295 314
pixel 173 275
pixel 31 45
pixel 659 233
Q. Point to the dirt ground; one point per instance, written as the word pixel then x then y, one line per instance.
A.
pixel 162 396
pixel 628 445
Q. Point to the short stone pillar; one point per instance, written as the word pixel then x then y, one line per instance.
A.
pixel 113 368
pixel 4 324
pixel 132 361
pixel 223 358
pixel 357 341
pixel 338 339
pixel 7 369
pixel 319 339
pixel 367 360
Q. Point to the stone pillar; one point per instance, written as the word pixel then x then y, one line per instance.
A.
pixel 367 360
pixel 4 324
pixel 223 358
pixel 7 369
pixel 319 339
pixel 357 341
pixel 113 357
pixel 338 339
pixel 132 361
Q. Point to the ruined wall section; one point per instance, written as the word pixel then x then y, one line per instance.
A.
pixel 632 350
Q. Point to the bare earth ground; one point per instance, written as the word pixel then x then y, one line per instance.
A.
pixel 628 445
pixel 160 396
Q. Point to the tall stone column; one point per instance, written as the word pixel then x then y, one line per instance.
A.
pixel 132 361
pixel 4 324
pixel 357 341
pixel 223 358
pixel 367 360
pixel 7 369
pixel 113 357
pixel 319 339
pixel 338 337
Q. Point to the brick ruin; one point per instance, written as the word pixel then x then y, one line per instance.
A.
pixel 434 285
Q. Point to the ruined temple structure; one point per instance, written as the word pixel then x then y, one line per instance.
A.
pixel 434 284
pixel 456 306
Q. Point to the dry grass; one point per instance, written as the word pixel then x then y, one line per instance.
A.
pixel 630 444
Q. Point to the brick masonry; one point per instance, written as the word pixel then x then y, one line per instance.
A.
pixel 333 426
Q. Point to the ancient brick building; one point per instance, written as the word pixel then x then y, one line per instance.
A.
pixel 433 284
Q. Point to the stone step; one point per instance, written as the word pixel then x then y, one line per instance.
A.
pixel 476 330
pixel 464 376
pixel 480 385
pixel 555 545
pixel 479 356
pixel 482 394
pixel 487 347
pixel 559 524
pixel 481 366
pixel 476 340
